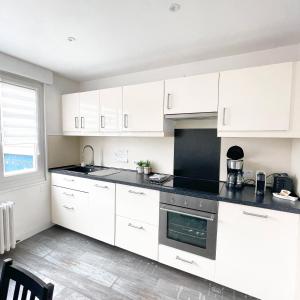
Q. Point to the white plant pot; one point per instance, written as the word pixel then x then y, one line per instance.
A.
pixel 140 170
pixel 147 170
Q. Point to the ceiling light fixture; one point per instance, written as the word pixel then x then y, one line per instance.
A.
pixel 71 39
pixel 174 7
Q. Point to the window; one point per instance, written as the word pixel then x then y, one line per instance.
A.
pixel 22 131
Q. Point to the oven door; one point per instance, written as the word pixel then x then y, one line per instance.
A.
pixel 188 230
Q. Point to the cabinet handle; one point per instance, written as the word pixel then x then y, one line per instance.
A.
pixel 255 215
pixel 136 193
pixel 68 207
pixel 169 106
pixel 76 122
pixel 125 120
pixel 101 186
pixel 82 122
pixel 69 180
pixel 136 227
pixel 185 260
pixel 102 121
pixel 69 195
pixel 224 123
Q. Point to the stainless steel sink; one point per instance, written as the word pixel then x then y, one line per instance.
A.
pixel 95 171
pixel 84 170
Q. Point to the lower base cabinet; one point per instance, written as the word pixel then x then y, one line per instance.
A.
pixel 258 251
pixel 188 262
pixel 138 237
pixel 69 209
pixel 85 206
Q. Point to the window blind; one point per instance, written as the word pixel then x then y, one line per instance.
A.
pixel 18 115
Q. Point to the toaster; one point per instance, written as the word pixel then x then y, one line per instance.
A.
pixel 282 182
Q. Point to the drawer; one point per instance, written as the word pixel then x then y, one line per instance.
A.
pixel 137 237
pixel 70 208
pixel 188 262
pixel 138 204
pixel 70 182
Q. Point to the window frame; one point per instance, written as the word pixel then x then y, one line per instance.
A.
pixel 19 180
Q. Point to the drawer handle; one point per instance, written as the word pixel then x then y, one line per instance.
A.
pixel 68 207
pixel 136 227
pixel 169 106
pixel 255 215
pixel 69 180
pixel 185 260
pixel 136 193
pixel 69 195
pixel 101 186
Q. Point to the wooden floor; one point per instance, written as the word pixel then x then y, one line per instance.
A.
pixel 83 268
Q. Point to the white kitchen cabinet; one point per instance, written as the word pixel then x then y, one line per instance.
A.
pixel 80 113
pixel 188 262
pixel 69 209
pixel 255 99
pixel 193 94
pixel 111 110
pixel 143 107
pixel 138 237
pixel 89 111
pixel 137 203
pixel 257 251
pixel 84 205
pixel 101 211
pixel 70 112
pixel 137 218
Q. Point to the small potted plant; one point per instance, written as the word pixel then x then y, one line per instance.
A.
pixel 147 167
pixel 140 167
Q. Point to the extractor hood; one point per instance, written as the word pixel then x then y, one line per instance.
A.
pixel 196 116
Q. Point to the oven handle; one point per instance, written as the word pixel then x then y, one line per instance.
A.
pixel 190 215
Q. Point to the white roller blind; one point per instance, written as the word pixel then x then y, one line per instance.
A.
pixel 19 116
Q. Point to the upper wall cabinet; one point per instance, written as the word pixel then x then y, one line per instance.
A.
pixel 194 94
pixel 111 110
pixel 70 112
pixel 80 112
pixel 143 107
pixel 255 100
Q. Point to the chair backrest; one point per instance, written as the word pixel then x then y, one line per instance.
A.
pixel 30 283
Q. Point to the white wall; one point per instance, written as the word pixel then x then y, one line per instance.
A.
pixel 276 55
pixel 19 67
pixel 295 163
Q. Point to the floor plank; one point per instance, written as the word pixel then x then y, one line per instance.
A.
pixel 82 268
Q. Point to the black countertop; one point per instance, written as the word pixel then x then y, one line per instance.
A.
pixel 245 196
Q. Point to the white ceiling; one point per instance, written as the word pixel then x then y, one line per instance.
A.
pixel 122 36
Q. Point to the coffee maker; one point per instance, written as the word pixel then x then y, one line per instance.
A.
pixel 235 163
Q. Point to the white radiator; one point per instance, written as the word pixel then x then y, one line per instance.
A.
pixel 7 227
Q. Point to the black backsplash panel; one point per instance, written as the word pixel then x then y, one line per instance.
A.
pixel 197 153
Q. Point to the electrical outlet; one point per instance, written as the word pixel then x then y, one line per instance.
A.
pixel 121 155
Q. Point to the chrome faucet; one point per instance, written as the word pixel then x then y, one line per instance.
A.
pixel 93 154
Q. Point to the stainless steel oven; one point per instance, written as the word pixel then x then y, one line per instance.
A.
pixel 188 223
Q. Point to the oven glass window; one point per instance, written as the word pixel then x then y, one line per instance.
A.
pixel 187 229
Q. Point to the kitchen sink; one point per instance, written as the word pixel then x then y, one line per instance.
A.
pixel 84 170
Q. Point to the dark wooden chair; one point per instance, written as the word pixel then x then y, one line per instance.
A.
pixel 37 288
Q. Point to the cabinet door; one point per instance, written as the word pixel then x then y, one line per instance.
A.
pixel 257 250
pixel 69 209
pixel 137 237
pixel 102 211
pixel 70 112
pixel 89 111
pixel 192 94
pixel 111 109
pixel 143 107
pixel 255 99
